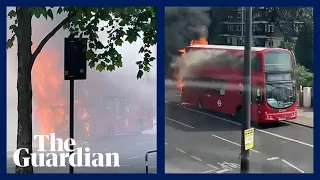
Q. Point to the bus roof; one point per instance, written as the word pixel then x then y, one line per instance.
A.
pixel 230 47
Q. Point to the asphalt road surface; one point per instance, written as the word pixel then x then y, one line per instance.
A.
pixel 204 142
pixel 131 149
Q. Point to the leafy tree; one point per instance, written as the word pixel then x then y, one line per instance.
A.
pixel 287 45
pixel 123 24
pixel 304 77
pixel 304 47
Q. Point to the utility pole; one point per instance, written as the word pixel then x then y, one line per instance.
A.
pixel 242 38
pixel 246 130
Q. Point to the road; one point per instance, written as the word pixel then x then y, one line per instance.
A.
pixel 203 142
pixel 131 149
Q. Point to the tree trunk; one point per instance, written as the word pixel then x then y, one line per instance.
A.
pixel 24 134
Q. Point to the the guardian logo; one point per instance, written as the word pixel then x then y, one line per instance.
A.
pixel 58 155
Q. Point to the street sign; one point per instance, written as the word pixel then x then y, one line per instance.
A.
pixel 249 138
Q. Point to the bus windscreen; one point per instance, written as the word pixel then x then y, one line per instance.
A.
pixel 278 60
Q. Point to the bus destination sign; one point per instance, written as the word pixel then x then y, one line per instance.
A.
pixel 279 77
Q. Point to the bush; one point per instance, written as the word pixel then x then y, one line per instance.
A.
pixel 304 77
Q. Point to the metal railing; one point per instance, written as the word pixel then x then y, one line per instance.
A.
pixel 146 159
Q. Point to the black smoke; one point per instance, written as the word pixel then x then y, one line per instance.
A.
pixel 182 24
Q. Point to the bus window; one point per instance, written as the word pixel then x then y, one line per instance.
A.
pixel 121 106
pixel 256 95
pixel 278 60
pixel 109 105
pixel 255 63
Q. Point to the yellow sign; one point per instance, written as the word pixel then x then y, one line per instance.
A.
pixel 249 138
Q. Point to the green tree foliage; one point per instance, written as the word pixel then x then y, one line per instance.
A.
pixel 304 47
pixel 304 77
pixel 122 24
pixel 287 45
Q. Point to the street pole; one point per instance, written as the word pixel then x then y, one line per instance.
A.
pixel 242 38
pixel 246 121
pixel 71 120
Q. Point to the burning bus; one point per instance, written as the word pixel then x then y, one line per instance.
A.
pixel 105 105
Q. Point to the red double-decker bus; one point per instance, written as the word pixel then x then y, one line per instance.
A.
pixel 215 82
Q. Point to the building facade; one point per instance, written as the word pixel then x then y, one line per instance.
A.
pixel 265 34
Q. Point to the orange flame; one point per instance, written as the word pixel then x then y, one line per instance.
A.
pixel 50 94
pixel 177 76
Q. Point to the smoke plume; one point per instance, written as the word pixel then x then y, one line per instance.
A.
pixel 182 24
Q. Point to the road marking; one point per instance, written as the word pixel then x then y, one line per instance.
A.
pixel 260 130
pixel 136 157
pixel 180 150
pixel 223 171
pixel 293 166
pixel 180 123
pixel 273 158
pixel 148 142
pixel 196 158
pixel 212 170
pixel 212 166
pixel 221 138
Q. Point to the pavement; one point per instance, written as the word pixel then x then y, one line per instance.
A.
pixel 205 142
pixel 131 149
pixel 305 117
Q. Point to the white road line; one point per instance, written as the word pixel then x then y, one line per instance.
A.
pixel 212 170
pixel 196 158
pixel 148 142
pixel 136 157
pixel 212 166
pixel 273 158
pixel 180 123
pixel 221 138
pixel 293 166
pixel 223 171
pixel 260 130
pixel 180 150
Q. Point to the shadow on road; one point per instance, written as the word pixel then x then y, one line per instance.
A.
pixel 201 122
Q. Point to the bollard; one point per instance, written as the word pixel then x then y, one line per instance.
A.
pixel 146 160
pixel 307 97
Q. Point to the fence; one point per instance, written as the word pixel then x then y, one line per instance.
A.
pixel 146 159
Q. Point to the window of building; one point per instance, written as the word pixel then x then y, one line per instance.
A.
pixel 270 28
pixel 238 27
pixel 270 43
pixel 229 16
pixel 228 40
pixel 296 27
pixel 239 41
pixel 244 27
pixel 254 28
pixel 230 27
pixel 239 15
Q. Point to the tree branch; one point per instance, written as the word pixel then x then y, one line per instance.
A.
pixel 49 36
